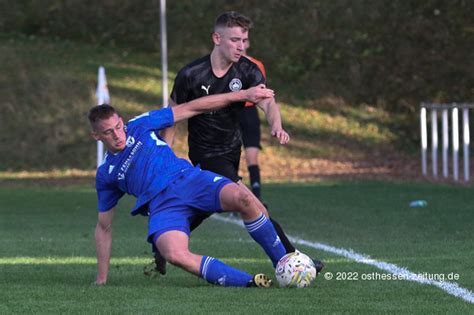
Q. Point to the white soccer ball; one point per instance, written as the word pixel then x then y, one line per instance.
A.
pixel 295 270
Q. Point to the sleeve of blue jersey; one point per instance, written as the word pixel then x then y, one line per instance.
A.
pixel 153 120
pixel 107 196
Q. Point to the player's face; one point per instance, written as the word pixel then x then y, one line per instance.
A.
pixel 231 42
pixel 111 132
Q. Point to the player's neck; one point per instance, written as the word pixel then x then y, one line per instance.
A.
pixel 219 65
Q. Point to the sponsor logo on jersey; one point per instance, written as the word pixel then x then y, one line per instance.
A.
pixel 130 141
pixel 205 88
pixel 125 165
pixel 235 85
pixel 111 168
pixel 217 178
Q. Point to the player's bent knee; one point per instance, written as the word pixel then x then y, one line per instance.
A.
pixel 244 199
pixel 177 257
pixel 247 205
pixel 236 199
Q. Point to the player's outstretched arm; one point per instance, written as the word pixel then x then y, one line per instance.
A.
pixel 168 134
pixel 103 244
pixel 272 113
pixel 213 102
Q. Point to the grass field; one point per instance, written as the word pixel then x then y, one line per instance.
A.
pixel 47 262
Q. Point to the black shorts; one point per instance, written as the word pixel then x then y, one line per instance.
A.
pixel 225 165
pixel 250 126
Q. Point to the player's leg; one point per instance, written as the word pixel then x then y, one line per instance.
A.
pixel 234 198
pixel 159 262
pixel 251 158
pixel 284 239
pixel 173 210
pixel 250 126
pixel 174 246
pixel 212 193
pixel 289 248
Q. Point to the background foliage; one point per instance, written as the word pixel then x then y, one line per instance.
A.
pixel 393 52
pixel 390 55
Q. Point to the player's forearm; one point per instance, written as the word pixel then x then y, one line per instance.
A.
pixel 272 113
pixel 213 102
pixel 205 104
pixel 103 242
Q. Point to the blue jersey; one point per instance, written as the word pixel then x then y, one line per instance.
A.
pixel 144 168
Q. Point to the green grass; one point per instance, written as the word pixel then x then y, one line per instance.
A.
pixel 47 261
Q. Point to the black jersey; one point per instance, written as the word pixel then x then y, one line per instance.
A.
pixel 215 133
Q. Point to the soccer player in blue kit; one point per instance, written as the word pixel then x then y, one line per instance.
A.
pixel 171 191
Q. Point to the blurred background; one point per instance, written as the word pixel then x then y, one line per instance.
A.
pixel 349 76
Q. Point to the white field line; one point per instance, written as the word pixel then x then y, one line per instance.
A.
pixel 451 288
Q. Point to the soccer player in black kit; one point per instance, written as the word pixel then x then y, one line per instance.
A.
pixel 214 138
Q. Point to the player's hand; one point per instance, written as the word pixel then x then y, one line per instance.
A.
pixel 257 93
pixel 281 135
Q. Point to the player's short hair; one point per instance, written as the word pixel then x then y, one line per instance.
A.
pixel 232 19
pixel 100 112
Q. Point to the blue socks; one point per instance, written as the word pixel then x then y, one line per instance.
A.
pixel 263 232
pixel 216 272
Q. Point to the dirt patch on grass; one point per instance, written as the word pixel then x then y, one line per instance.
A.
pixel 316 169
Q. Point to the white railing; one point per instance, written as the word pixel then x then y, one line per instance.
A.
pixel 445 109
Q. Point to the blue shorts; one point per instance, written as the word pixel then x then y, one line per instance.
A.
pixel 195 191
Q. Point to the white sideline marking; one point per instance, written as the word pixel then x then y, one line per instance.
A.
pixel 451 288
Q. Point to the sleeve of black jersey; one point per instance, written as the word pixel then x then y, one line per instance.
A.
pixel 255 76
pixel 180 91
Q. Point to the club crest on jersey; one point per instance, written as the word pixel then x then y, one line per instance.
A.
pixel 130 141
pixel 235 85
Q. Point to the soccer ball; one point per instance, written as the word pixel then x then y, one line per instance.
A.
pixel 295 270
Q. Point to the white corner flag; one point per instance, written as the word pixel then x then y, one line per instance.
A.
pixel 103 97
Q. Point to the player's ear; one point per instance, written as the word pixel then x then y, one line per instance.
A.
pixel 216 38
pixel 95 135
